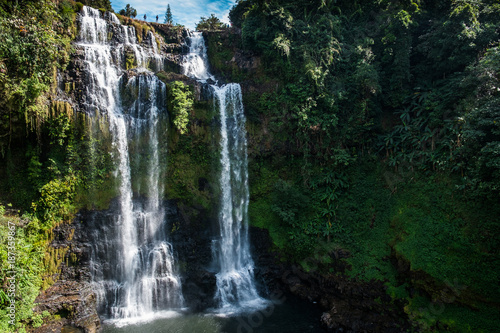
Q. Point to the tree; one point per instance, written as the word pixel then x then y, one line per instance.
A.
pixel 212 23
pixel 168 16
pixel 128 11
pixel 481 129
pixel 237 12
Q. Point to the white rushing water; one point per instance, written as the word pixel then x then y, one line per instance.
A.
pixel 195 63
pixel 235 279
pixel 133 266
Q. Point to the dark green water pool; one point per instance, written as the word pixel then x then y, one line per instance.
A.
pixel 287 314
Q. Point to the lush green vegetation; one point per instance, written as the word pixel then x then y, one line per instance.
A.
pixel 128 11
pixel 35 42
pixel 348 87
pixel 181 103
pixel 211 23
pixel 382 138
pixel 28 264
pixel 65 168
pixel 49 155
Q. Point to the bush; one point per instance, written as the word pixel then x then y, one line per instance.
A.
pixel 30 52
pixel 28 267
pixel 181 103
pixel 79 6
pixel 238 11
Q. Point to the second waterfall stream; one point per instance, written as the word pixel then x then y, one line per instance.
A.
pixel 235 278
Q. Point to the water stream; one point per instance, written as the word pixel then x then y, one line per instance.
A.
pixel 236 289
pixel 133 264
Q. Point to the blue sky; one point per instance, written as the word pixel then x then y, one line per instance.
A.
pixel 186 12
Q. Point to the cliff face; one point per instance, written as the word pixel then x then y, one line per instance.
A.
pixel 171 44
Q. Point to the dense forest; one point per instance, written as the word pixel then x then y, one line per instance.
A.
pixel 373 128
pixel 384 125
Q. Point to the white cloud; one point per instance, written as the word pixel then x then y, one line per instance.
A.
pixel 186 12
pixel 225 17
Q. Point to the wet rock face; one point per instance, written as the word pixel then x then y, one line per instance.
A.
pixel 202 91
pixel 74 302
pixel 268 268
pixel 72 82
pixel 192 240
pixel 71 297
pixel 190 231
pixel 171 35
pixel 246 60
pixel 351 306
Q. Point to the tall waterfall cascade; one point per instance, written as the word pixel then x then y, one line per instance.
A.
pixel 132 263
pixel 235 278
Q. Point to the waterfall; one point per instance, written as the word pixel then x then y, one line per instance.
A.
pixel 195 63
pixel 235 279
pixel 132 263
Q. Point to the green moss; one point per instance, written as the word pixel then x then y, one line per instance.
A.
pixel 203 111
pixel 192 157
pixel 163 76
pixel 221 48
pixel 52 261
pixel 69 87
pixel 263 174
pixel 363 226
pixel 441 317
pixel 130 61
pixel 79 6
pixel 97 197
pixel 432 225
pixel 124 20
pixel 182 182
pixel 262 216
pixel 141 30
pixel 158 43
